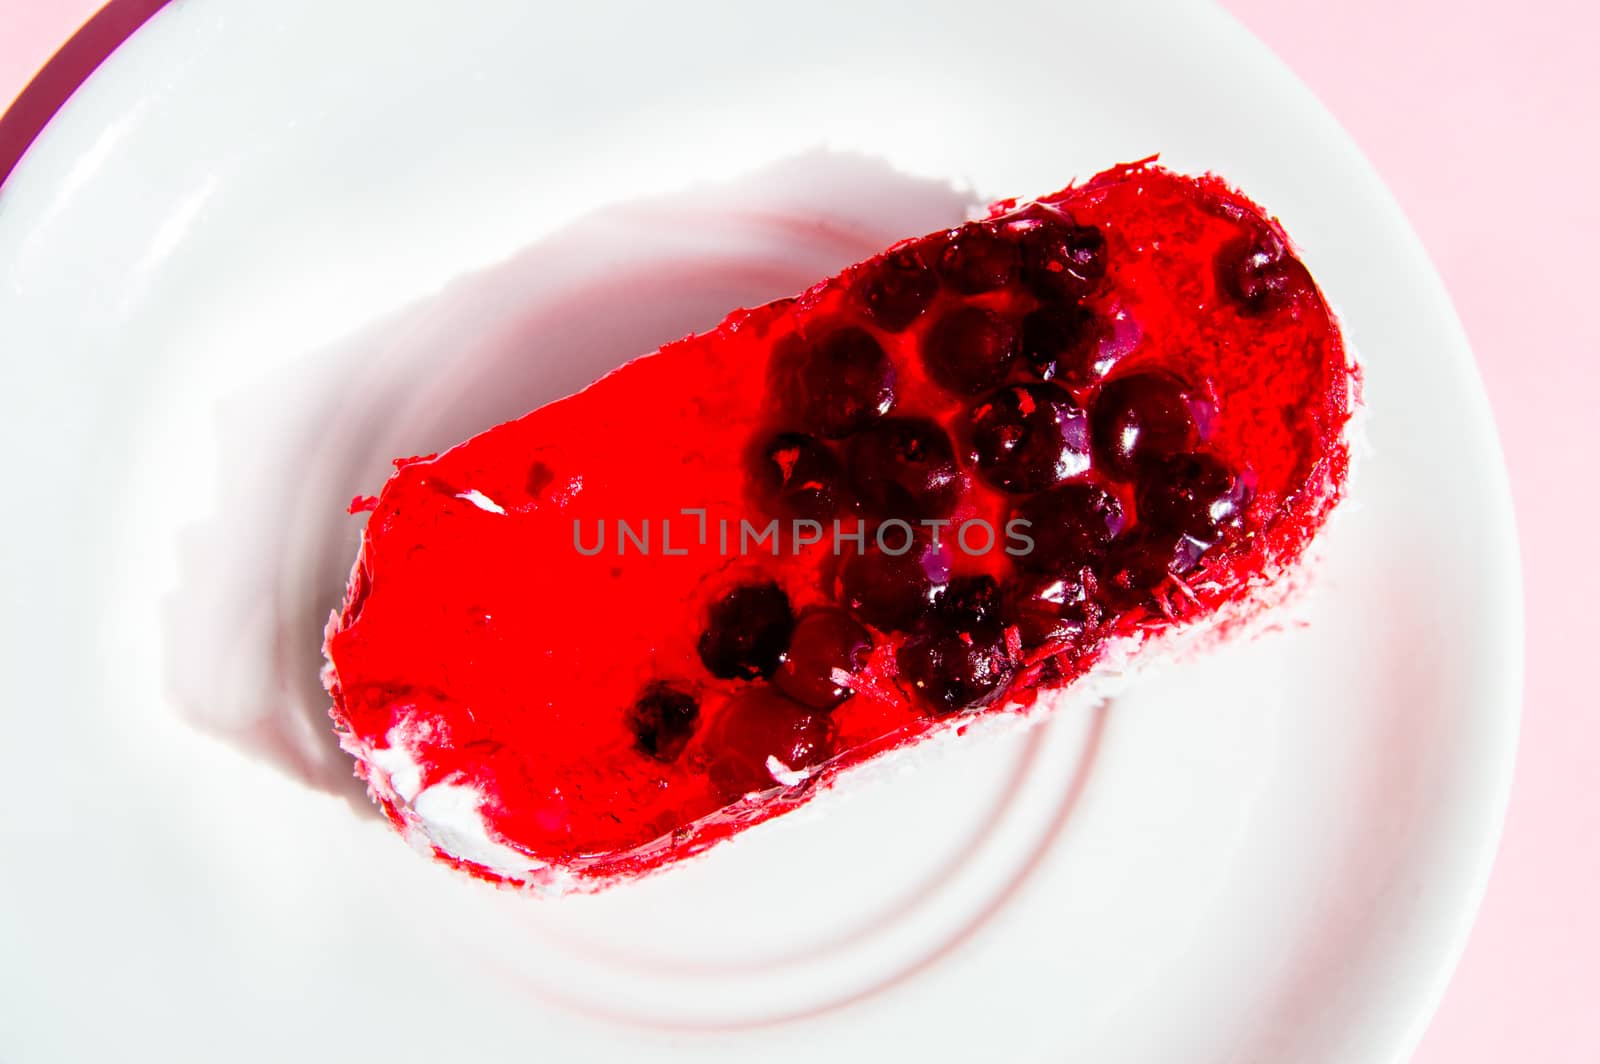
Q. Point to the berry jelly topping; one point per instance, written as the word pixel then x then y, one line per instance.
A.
pixel 1072 527
pixel 904 468
pixel 795 475
pixel 1062 343
pixel 1140 417
pixel 1028 437
pixel 978 259
pixel 893 591
pixel 643 618
pixel 762 740
pixel 1061 260
pixel 1257 271
pixel 951 671
pixel 835 384
pixel 662 720
pixel 1053 611
pixel 1192 495
pixel 971 349
pixel 828 647
pixel 747 632
pixel 897 290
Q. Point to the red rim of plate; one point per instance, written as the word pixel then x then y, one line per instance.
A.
pixel 68 68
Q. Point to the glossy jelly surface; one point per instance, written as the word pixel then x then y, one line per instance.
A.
pixel 989 453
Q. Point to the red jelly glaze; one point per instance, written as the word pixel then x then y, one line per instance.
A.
pixel 515 663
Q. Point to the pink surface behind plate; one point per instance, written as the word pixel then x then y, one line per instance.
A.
pixel 1481 119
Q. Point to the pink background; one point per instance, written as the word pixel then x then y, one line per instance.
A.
pixel 1482 118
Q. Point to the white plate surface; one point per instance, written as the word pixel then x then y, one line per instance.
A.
pixel 268 246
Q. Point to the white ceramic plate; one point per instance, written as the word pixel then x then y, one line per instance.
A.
pixel 268 246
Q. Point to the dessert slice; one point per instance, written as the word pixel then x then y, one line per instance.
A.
pixel 596 639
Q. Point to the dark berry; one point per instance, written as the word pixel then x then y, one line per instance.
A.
pixel 969 604
pixel 894 591
pixel 895 291
pixel 959 657
pixel 747 631
pixel 760 737
pixel 950 672
pixel 662 721
pixel 1053 611
pixel 1028 437
pixel 827 648
pixel 971 349
pixel 1194 495
pixel 904 468
pixel 977 259
pixel 540 477
pixel 1070 526
pixel 1062 260
pixel 1139 564
pixel 1258 272
pixel 1061 343
pixel 836 384
pixel 1140 418
pixel 797 476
